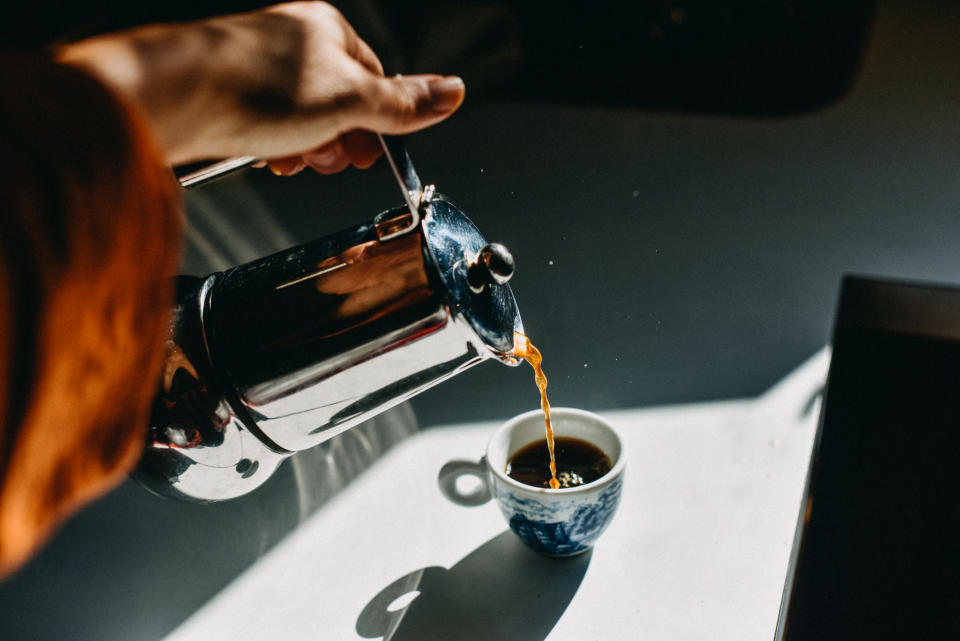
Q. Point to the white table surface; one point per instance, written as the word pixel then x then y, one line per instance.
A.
pixel 698 549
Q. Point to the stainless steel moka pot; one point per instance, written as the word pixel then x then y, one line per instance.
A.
pixel 285 352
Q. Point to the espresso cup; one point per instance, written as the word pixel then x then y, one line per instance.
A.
pixel 560 522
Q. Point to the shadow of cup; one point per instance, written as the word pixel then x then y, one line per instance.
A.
pixel 501 590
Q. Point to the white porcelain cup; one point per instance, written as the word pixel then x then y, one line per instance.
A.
pixel 559 522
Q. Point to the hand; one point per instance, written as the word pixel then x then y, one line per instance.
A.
pixel 292 84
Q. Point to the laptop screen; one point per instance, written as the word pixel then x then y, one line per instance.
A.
pixel 877 554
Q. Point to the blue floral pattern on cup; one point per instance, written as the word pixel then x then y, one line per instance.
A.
pixel 554 522
pixel 560 529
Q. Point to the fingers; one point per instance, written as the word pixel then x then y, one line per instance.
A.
pixel 403 104
pixel 325 159
pixel 329 158
pixel 362 147
pixel 364 102
pixel 358 148
pixel 286 166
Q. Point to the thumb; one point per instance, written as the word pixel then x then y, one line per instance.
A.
pixel 403 104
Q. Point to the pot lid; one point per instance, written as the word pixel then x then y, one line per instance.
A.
pixel 474 274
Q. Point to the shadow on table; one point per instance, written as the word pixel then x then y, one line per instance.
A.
pixel 501 590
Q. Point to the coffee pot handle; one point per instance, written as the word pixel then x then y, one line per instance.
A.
pixel 393 149
pixel 215 170
pixel 415 194
pixel 404 172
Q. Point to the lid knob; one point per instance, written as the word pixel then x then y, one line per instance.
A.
pixel 494 266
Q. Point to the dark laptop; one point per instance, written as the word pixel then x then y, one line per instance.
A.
pixel 877 550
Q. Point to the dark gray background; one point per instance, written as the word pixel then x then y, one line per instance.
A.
pixel 663 257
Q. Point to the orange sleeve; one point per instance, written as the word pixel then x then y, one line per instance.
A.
pixel 89 238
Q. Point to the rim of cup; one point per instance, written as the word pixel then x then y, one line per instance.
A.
pixel 557 412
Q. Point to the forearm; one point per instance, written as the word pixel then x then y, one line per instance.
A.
pixel 293 82
pixel 202 84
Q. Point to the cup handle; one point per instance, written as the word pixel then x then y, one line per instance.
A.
pixel 451 472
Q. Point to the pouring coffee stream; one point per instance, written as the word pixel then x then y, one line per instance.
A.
pixel 523 348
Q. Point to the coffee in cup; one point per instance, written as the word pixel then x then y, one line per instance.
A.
pixel 579 462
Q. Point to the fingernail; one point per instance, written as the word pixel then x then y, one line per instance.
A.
pixel 446 93
pixel 324 157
